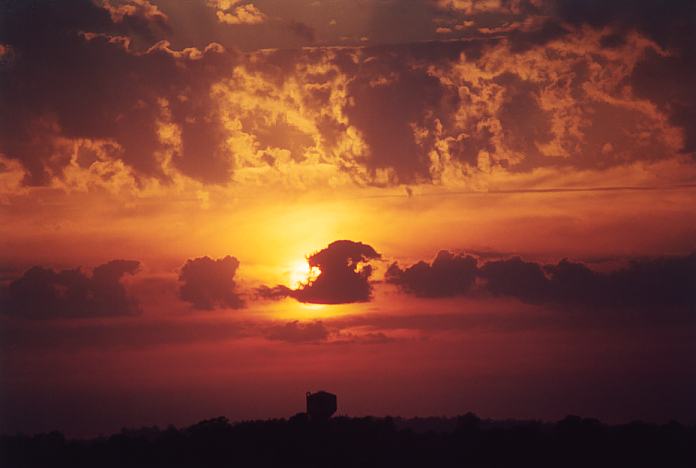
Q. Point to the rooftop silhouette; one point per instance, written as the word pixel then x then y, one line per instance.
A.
pixel 321 405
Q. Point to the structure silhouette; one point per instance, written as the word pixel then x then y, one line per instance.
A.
pixel 321 405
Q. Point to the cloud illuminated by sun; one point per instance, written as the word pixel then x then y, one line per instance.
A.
pixel 301 273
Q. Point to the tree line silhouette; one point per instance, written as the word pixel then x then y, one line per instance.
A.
pixel 348 442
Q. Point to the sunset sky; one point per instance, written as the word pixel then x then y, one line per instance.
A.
pixel 427 207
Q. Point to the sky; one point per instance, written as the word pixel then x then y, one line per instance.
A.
pixel 427 207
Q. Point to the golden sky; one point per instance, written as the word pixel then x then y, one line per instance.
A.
pixel 213 206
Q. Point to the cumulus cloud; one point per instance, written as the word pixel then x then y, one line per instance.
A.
pixel 43 293
pixel 209 283
pixel 448 275
pixel 653 282
pixel 515 277
pixel 642 283
pixel 344 276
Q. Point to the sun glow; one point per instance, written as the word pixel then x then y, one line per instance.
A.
pixel 301 273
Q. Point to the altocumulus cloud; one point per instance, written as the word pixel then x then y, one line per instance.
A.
pixel 45 293
pixel 80 72
pixel 344 278
pixel 208 283
pixel 576 81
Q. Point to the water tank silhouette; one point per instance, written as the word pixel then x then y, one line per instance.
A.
pixel 321 405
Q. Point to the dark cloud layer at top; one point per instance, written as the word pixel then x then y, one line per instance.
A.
pixel 44 293
pixel 80 71
pixel 75 73
pixel 302 30
pixel 388 98
pixel 649 283
pixel 140 16
pixel 344 278
pixel 672 25
pixel 209 283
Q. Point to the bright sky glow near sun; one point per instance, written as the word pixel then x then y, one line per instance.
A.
pixel 210 207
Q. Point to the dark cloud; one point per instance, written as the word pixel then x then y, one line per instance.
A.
pixel 203 139
pixel 388 97
pixel 524 123
pixel 668 23
pixel 209 283
pixel 296 332
pixel 657 282
pixel 303 31
pixel 345 274
pixel 348 338
pixel 44 293
pixel 344 278
pixel 666 282
pixel 448 275
pixel 515 278
pixel 318 332
pixel 81 72
pixel 9 271
pixel 671 25
pixel 678 99
pixel 521 41
pixel 274 293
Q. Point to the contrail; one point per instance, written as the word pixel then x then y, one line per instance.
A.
pixel 618 188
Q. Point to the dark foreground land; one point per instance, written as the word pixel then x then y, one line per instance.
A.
pixel 342 441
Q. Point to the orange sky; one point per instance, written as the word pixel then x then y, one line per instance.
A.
pixel 258 133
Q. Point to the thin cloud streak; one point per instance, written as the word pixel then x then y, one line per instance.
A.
pixel 620 188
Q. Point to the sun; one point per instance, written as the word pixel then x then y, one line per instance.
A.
pixel 301 273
